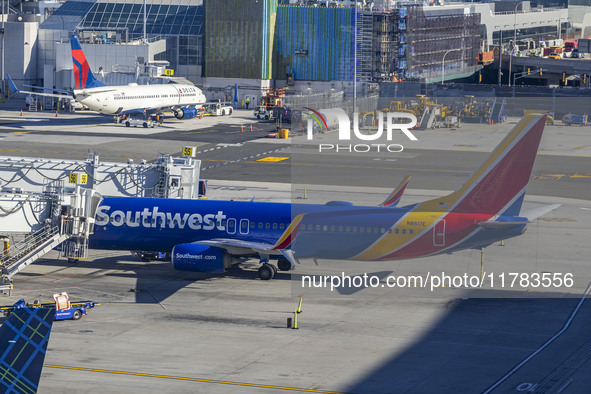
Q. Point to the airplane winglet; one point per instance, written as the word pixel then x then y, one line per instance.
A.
pixel 394 198
pixel 289 234
pixel 12 85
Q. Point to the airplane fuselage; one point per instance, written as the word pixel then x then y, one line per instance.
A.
pixel 331 232
pixel 133 98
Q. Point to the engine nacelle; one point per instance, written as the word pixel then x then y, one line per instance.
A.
pixel 200 258
pixel 185 113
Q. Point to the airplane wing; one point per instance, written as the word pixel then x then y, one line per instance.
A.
pixel 394 198
pixel 23 344
pixel 16 90
pixel 240 247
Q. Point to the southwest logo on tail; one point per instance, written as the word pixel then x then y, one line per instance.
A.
pixel 83 76
pixel 484 210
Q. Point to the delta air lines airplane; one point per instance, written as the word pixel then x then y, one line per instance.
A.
pixel 207 235
pixel 132 99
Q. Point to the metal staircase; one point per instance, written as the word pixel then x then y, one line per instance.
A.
pixel 21 254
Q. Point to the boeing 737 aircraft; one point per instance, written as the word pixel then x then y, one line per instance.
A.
pixel 132 99
pixel 209 236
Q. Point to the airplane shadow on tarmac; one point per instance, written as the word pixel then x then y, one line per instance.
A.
pixel 476 342
pixel 156 280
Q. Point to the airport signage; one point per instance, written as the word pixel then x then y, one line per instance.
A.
pixel 301 52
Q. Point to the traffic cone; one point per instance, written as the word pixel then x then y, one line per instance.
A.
pixel 56 114
pixel 242 128
pixel 21 112
pixel 250 127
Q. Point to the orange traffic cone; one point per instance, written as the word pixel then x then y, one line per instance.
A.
pixel 21 112
pixel 242 128
pixel 250 127
pixel 56 114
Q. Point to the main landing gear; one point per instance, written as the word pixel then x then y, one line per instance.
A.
pixel 267 271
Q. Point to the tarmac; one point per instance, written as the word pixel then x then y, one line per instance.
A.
pixel 161 330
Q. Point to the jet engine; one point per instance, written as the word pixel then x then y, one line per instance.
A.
pixel 200 258
pixel 185 113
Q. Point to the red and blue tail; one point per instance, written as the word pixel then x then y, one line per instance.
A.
pixel 82 75
pixel 497 187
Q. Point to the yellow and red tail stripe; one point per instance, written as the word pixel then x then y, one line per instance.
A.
pixel 490 189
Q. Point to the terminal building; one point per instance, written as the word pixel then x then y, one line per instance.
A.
pixel 257 44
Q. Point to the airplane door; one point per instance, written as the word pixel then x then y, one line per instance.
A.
pixel 244 226
pixel 231 226
pixel 439 233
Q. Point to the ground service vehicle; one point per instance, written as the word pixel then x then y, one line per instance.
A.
pixel 217 109
pixel 64 308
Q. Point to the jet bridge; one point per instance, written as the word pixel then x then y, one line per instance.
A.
pixel 60 218
pixel 45 203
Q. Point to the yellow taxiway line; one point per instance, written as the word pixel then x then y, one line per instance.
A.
pixel 148 375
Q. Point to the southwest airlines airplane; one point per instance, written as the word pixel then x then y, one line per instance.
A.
pixel 209 236
pixel 126 99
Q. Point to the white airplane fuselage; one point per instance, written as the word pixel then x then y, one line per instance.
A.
pixel 115 100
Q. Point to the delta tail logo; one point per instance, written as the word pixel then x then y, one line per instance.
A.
pixel 329 118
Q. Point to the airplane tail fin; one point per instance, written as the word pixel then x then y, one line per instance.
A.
pixel 23 344
pixel 83 76
pixel 498 186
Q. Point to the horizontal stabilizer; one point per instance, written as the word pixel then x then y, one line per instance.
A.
pixel 500 225
pixel 532 214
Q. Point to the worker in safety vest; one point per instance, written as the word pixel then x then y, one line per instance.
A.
pixel 247 102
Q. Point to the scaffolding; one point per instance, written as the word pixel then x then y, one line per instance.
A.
pixel 433 38
pixel 365 40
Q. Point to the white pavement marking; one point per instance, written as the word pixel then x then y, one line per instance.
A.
pixel 545 345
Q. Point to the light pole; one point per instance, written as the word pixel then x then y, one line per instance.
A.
pixel 3 33
pixel 514 38
pixel 355 59
pixel 443 64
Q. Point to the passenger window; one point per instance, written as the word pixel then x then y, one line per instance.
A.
pixel 375 230
pixel 396 231
pixel 317 227
pixel 325 228
pixel 404 231
pixel 348 228
pixel 411 231
pixel 274 226
pixel 341 228
pixel 332 228
pixel 281 226
pixel 260 225
pixel 267 226
pixel 252 225
pixel 382 230
pixel 354 229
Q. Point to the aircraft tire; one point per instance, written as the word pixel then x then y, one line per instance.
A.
pixel 267 272
pixel 283 265
pixel 230 111
pixel 127 124
pixel 145 124
pixel 266 117
pixel 223 112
